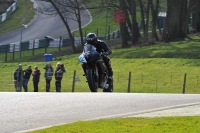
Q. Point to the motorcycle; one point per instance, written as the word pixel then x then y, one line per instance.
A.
pixel 96 71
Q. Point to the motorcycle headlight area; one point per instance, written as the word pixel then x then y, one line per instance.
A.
pixel 82 59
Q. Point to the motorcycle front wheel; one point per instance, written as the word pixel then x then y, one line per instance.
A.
pixel 93 85
pixel 110 88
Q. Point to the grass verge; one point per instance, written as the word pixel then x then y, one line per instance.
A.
pixel 130 125
pixel 155 69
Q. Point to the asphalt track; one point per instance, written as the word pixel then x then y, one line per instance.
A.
pixel 43 25
pixel 29 111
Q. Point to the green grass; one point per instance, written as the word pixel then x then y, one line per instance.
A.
pixel 130 125
pixel 22 15
pixel 153 69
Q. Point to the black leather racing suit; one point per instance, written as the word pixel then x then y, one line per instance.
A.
pixel 101 46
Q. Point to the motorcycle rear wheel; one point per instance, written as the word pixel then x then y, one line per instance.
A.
pixel 93 85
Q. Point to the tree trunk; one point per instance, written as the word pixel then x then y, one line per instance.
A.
pixel 190 8
pixel 172 29
pixel 154 12
pixel 147 21
pixel 123 28
pixel 134 28
pixel 129 25
pixel 67 26
pixel 78 15
pixel 183 12
pixel 196 16
pixel 143 19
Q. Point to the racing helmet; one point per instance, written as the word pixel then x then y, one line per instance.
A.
pixel 91 38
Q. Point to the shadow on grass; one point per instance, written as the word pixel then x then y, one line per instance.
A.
pixel 187 49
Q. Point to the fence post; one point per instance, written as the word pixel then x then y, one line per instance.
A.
pixel 97 32
pixel 73 82
pixel 184 84
pixel 129 82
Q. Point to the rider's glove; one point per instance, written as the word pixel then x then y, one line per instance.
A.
pixel 105 53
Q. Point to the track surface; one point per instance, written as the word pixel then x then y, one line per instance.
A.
pixel 26 111
pixel 43 26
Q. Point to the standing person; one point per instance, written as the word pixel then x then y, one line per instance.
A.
pixel 18 77
pixel 26 77
pixel 48 75
pixel 60 69
pixel 36 78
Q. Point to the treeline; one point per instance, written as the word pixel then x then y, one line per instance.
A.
pixel 4 4
pixel 176 22
pixel 177 19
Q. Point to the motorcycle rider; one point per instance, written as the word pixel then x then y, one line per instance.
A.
pixel 100 46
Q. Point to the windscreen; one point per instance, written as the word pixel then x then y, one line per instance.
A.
pixel 89 48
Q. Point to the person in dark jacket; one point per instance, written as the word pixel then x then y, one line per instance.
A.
pixel 26 77
pixel 60 69
pixel 18 77
pixel 48 75
pixel 36 78
pixel 100 46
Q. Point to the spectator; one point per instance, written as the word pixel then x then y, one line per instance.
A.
pixel 18 76
pixel 36 78
pixel 48 75
pixel 26 77
pixel 60 69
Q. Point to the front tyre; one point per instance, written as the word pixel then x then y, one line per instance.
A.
pixel 93 85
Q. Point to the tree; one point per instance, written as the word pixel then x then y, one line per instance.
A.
pixel 196 16
pixel 123 28
pixel 178 15
pixel 4 4
pixel 134 26
pixel 67 10
pixel 154 14
pixel 73 8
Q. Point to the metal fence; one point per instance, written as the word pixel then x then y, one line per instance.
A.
pixel 9 52
pixel 74 81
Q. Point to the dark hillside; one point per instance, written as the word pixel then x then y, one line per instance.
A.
pixel 4 4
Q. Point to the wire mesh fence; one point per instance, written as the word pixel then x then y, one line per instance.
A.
pixel 74 81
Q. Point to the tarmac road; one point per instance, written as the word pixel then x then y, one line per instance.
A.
pixel 28 111
pixel 42 26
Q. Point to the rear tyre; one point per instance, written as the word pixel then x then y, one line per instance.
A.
pixel 93 85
